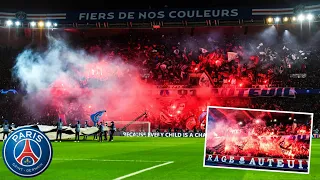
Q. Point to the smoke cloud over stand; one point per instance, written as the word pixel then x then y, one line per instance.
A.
pixel 77 84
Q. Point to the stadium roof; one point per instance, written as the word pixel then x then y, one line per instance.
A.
pixel 69 5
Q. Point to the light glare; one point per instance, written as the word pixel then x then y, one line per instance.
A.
pixel 48 24
pixel 9 23
pixel 310 17
pixel 301 17
pixel 40 24
pixel 33 24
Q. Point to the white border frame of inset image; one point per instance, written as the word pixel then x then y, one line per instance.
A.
pixel 260 110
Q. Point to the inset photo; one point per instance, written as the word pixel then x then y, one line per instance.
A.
pixel 254 139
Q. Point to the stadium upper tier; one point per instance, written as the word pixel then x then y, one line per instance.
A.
pixel 157 18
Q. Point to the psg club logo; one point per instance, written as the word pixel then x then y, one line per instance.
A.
pixel 21 15
pixel 27 152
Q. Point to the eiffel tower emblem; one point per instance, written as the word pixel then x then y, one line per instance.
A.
pixel 27 152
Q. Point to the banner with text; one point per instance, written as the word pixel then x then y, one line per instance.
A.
pixel 284 164
pixel 225 92
pixel 182 91
pixel 163 134
pixel 161 15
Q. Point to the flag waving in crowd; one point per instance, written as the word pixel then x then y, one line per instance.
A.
pixel 232 56
pixel 205 80
pixel 97 116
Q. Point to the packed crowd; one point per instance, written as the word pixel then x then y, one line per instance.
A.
pixel 281 129
pixel 170 59
pixel 227 62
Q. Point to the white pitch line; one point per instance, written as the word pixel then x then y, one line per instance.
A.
pixel 121 160
pixel 143 170
pixel 107 160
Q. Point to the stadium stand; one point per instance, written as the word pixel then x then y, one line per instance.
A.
pixel 226 57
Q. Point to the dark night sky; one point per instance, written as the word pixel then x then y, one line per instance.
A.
pixel 68 5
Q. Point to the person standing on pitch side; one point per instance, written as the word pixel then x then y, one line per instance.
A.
pixel 112 130
pixel 85 126
pixel 5 127
pixel 95 135
pixel 106 133
pixel 78 126
pixel 59 130
pixel 101 131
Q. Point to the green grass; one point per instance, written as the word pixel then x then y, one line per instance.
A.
pixel 187 154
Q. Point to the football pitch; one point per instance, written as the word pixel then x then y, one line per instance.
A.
pixel 147 158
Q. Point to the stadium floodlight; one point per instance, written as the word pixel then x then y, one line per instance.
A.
pixel 285 19
pixel 270 20
pixel 40 24
pixel 48 24
pixel 301 17
pixel 33 24
pixel 17 23
pixel 277 19
pixel 294 18
pixel 55 24
pixel 9 23
pixel 310 17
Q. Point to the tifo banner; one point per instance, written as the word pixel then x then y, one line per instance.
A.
pixel 162 134
pixel 227 92
pixel 162 15
pixel 67 132
pixel 181 91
